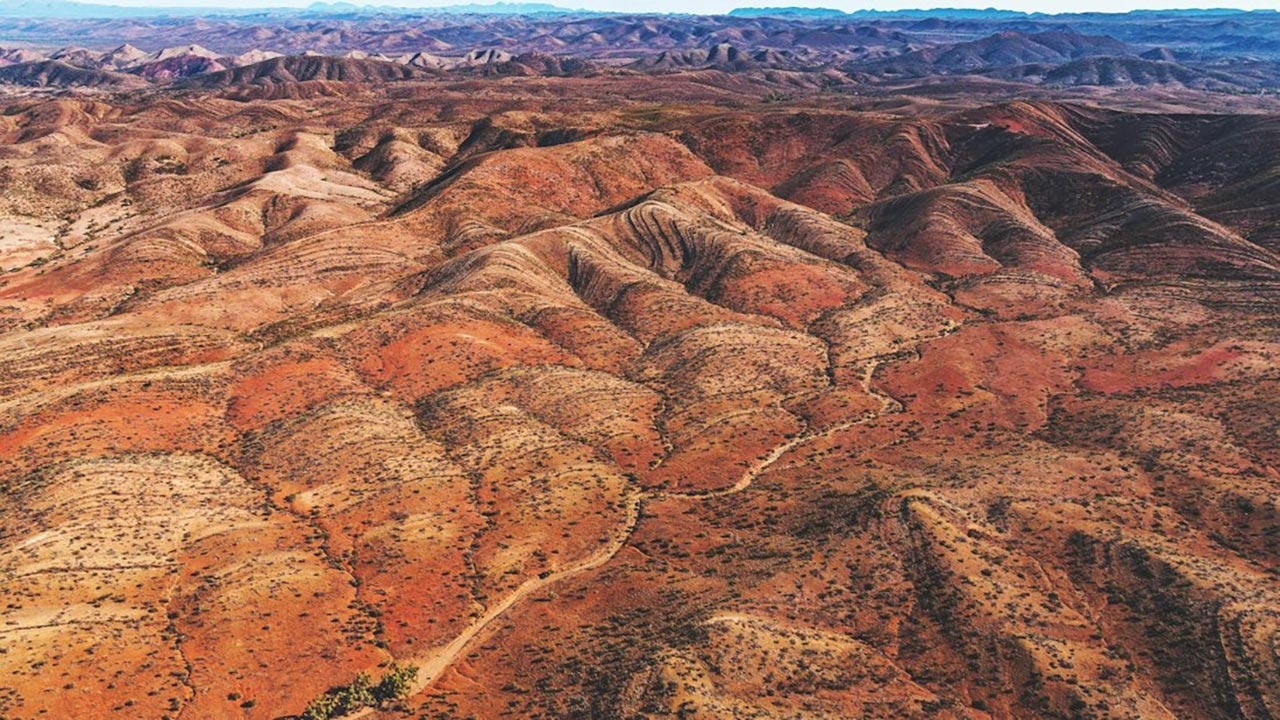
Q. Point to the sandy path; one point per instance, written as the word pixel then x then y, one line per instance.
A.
pixel 431 666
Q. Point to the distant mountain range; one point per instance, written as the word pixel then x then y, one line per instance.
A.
pixel 501 8
pixel 1221 51
pixel 807 12
pixel 65 9
pixel 978 13
pixel 71 10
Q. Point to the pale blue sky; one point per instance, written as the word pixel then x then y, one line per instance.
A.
pixel 720 6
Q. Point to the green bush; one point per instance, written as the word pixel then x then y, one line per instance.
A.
pixel 361 693
pixel 356 695
pixel 395 683
pixel 321 708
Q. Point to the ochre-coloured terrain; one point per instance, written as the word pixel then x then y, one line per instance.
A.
pixel 665 406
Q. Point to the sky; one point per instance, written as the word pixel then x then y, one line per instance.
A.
pixel 720 6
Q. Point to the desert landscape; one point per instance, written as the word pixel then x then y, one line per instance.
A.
pixel 539 364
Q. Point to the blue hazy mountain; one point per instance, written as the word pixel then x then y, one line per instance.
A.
pixel 76 10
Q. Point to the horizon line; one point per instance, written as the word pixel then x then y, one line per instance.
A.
pixel 507 7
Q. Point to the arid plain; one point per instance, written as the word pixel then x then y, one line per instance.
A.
pixel 638 395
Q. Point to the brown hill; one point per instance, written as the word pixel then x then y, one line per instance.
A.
pixel 586 405
pixel 1129 71
pixel 55 74
pixel 1004 49
pixel 305 68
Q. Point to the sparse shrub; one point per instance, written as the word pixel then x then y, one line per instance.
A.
pixel 358 694
pixel 134 169
pixel 361 693
pixel 321 708
pixel 396 683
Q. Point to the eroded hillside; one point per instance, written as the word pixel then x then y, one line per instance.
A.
pixel 601 409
